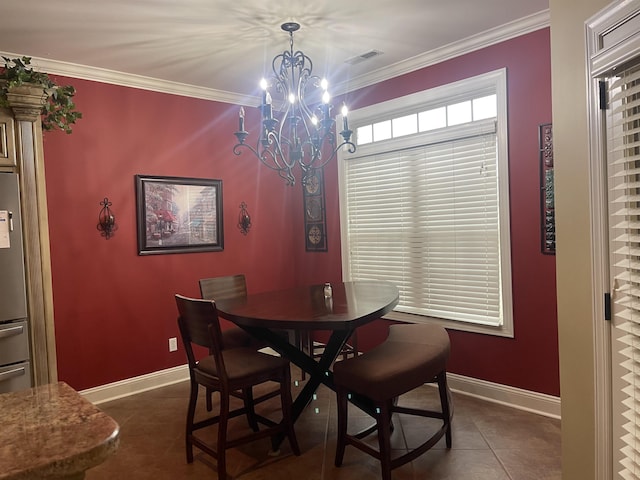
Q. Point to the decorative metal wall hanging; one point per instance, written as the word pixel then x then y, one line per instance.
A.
pixel 244 219
pixel 547 194
pixel 106 220
pixel 315 222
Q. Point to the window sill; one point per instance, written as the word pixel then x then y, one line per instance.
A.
pixel 499 331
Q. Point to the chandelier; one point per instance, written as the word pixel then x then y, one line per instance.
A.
pixel 300 130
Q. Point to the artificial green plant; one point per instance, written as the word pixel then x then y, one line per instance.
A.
pixel 58 109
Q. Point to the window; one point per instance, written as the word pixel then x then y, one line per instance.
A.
pixel 425 204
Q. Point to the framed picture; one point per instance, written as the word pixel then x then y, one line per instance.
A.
pixel 178 215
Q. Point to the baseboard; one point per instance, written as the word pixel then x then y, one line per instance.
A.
pixel 535 402
pixel 539 403
pixel 131 386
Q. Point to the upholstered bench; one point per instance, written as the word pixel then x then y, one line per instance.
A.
pixel 412 355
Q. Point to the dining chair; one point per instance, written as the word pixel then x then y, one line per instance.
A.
pixel 412 355
pixel 226 370
pixel 223 288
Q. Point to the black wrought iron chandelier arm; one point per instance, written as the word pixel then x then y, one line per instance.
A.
pixel 302 87
pixel 275 153
pixel 321 161
pixel 272 158
pixel 275 159
pixel 237 148
pixel 262 150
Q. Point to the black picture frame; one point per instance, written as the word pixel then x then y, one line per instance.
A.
pixel 178 215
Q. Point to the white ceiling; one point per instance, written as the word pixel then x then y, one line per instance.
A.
pixel 220 49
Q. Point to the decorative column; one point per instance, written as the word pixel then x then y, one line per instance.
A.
pixel 26 103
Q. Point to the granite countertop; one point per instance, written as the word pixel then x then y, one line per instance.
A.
pixel 52 431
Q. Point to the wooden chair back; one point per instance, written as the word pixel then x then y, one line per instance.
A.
pixel 222 288
pixel 199 325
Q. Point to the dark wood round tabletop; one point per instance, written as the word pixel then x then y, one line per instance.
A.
pixel 350 305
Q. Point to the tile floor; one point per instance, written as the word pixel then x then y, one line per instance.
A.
pixel 490 442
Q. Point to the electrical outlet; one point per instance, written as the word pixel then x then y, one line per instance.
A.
pixel 173 344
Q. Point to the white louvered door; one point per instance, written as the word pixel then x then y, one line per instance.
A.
pixel 623 172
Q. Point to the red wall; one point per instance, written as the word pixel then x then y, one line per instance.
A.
pixel 114 310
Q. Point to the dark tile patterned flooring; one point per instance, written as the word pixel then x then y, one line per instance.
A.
pixel 490 442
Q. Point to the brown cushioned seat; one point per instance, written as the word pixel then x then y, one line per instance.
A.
pixel 242 363
pixel 412 355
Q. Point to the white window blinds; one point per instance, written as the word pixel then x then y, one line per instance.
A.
pixel 623 170
pixel 426 219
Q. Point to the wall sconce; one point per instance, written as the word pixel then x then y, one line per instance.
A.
pixel 244 220
pixel 106 220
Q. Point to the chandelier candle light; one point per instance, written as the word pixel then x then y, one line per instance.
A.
pixel 304 132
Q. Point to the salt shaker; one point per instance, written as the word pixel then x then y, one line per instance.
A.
pixel 327 290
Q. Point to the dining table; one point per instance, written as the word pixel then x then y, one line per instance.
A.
pixel 338 308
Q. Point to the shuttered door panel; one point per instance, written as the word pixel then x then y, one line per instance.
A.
pixel 426 219
pixel 623 170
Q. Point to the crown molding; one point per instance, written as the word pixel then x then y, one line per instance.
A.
pixel 519 27
pixel 485 39
pixel 84 72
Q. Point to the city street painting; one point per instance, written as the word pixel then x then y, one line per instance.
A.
pixel 178 215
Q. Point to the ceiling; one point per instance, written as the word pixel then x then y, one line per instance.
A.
pixel 220 49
